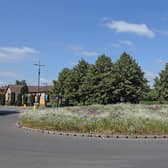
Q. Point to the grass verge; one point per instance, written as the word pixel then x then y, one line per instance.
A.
pixel 110 119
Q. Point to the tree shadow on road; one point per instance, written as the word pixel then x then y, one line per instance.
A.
pixel 7 112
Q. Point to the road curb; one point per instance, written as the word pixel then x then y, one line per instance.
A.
pixel 91 135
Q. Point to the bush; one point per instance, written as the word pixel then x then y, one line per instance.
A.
pixel 32 100
pixel 12 102
pixel 153 102
pixel 19 100
pixel 2 99
pixel 24 99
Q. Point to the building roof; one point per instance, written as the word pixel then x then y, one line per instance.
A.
pixel 15 88
pixel 31 89
pixel 3 90
pixel 34 89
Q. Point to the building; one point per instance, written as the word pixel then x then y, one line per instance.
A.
pixel 12 90
pixel 3 90
pixel 40 95
pixel 2 95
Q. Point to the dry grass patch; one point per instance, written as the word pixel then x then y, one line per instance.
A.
pixel 110 119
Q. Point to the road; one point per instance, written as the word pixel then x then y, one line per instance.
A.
pixel 21 149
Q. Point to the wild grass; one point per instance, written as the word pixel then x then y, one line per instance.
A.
pixel 109 119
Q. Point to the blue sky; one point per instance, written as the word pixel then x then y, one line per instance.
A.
pixel 61 32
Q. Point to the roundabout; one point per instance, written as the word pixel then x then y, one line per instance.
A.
pixel 21 148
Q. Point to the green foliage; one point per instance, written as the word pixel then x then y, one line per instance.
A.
pixel 131 84
pixel 151 95
pixel 24 90
pixel 153 102
pixel 12 102
pixel 161 85
pixel 102 82
pixel 2 99
pixel 19 100
pixel 31 100
pixel 24 99
pixel 20 82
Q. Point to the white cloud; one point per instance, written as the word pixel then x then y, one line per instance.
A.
pixel 120 43
pixel 82 52
pixel 126 42
pixel 116 45
pixel 14 53
pixel 45 81
pixel 150 76
pixel 8 74
pixel 125 27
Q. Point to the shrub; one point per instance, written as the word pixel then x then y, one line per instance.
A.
pixel 24 99
pixel 2 99
pixel 19 100
pixel 31 100
pixel 12 102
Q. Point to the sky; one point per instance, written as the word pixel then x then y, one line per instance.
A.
pixel 61 32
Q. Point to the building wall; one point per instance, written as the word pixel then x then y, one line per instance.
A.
pixel 8 95
pixel 42 99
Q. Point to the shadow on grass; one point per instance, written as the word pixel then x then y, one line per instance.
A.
pixel 7 112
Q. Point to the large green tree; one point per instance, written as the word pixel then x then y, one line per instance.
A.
pixel 104 80
pixel 20 82
pixel 60 87
pixel 79 72
pixel 131 85
pixel 161 85
pixel 23 92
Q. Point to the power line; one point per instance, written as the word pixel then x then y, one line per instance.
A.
pixel 39 72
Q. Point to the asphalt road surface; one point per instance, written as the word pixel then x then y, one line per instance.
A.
pixel 21 149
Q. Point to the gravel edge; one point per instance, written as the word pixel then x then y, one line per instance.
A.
pixel 90 135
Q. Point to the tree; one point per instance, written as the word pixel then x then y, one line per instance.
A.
pixel 161 85
pixel 24 99
pixel 79 74
pixel 89 86
pixel 23 91
pixel 19 100
pixel 104 80
pixel 12 101
pixel 60 86
pixel 20 82
pixel 69 85
pixel 131 84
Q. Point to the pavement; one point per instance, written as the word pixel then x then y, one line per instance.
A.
pixel 23 149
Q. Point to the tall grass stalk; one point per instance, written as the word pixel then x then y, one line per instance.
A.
pixel 109 119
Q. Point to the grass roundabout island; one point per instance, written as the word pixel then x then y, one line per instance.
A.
pixel 117 119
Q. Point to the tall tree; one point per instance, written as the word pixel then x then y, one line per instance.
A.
pixel 99 81
pixel 60 86
pixel 131 84
pixel 23 92
pixel 104 80
pixel 161 84
pixel 80 71
pixel 21 82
